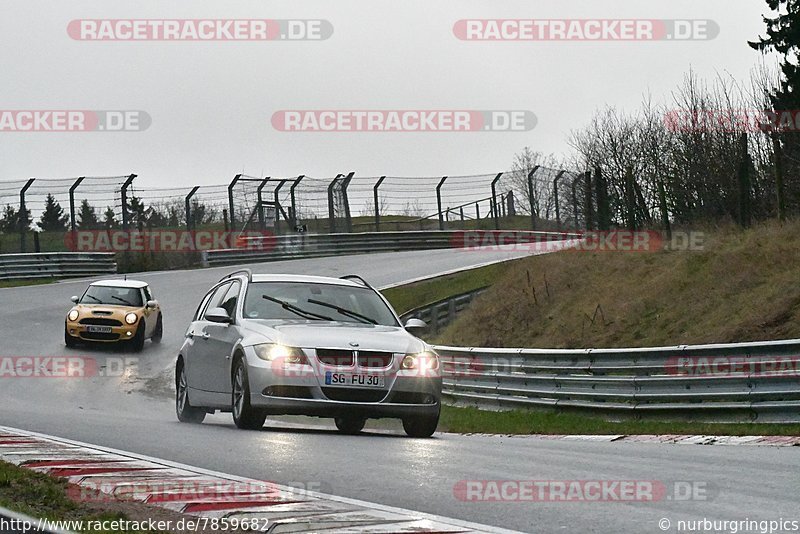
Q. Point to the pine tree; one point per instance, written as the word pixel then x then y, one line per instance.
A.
pixel 109 220
pixel 87 217
pixel 8 222
pixel 53 218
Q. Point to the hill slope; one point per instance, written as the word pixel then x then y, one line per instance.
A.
pixel 744 286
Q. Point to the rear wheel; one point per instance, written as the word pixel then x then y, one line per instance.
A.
pixel 244 415
pixel 350 425
pixel 185 411
pixel 158 333
pixel 421 426
pixel 69 341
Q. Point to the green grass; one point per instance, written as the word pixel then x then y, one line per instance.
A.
pixel 472 420
pixel 19 283
pixel 38 495
pixel 410 296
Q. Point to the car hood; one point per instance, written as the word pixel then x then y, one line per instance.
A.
pixel 317 334
pixel 104 310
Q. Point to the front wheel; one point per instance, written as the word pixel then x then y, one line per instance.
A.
pixel 244 416
pixel 137 343
pixel 69 341
pixel 185 411
pixel 349 425
pixel 421 426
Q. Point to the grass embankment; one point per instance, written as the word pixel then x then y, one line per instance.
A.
pixel 743 286
pixel 19 283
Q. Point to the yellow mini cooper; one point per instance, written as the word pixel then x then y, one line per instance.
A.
pixel 114 311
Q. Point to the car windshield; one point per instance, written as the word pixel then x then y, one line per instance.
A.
pixel 318 302
pixel 112 296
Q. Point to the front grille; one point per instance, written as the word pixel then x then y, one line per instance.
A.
pixel 99 321
pixel 338 357
pixel 100 336
pixel 354 395
pixel 292 392
pixel 374 359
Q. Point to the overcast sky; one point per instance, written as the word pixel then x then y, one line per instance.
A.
pixel 211 102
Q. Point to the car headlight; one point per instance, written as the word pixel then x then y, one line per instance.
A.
pixel 131 318
pixel 73 315
pixel 272 352
pixel 424 361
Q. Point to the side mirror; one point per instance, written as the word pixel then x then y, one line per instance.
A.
pixel 75 299
pixel 152 304
pixel 218 315
pixel 415 324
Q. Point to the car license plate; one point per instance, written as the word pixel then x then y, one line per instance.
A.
pixel 99 329
pixel 354 380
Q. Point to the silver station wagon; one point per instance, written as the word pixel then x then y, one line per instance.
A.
pixel 263 345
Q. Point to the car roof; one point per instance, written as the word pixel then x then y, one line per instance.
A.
pixel 133 284
pixel 304 279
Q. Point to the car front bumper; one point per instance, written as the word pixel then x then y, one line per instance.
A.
pixel 118 333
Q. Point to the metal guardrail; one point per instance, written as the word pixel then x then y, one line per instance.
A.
pixel 441 313
pixel 56 265
pixel 731 382
pixel 275 248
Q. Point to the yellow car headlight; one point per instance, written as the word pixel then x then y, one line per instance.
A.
pixel 131 318
pixel 424 361
pixel 73 315
pixel 272 352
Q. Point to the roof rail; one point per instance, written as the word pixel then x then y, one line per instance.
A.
pixel 248 272
pixel 356 277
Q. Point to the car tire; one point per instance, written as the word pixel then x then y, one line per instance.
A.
pixel 350 425
pixel 185 411
pixel 158 333
pixel 137 343
pixel 244 415
pixel 421 427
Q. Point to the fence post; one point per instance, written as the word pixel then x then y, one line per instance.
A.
pixel 230 201
pixel 124 198
pixel 277 201
pixel 630 199
pixel 601 189
pixel 511 204
pixel 494 201
pixel 531 196
pixel 225 219
pixel 293 200
pixel 189 222
pixel 662 199
pixel 377 204
pixel 587 185
pixel 575 199
pixel 744 182
pixel 778 155
pixel 72 189
pixel 345 185
pixel 439 201
pixel 555 197
pixel 332 206
pixel 260 203
pixel 23 215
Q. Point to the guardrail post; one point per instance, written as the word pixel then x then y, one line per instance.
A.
pixel 124 198
pixel 377 203
pixel 189 222
pixel 348 219
pixel 260 206
pixel 439 201
pixel 291 195
pixel 332 205
pixel 531 196
pixel 72 189
pixel 230 200
pixel 555 197
pixel 22 215
pixel 495 213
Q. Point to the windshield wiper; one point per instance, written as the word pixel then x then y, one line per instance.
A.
pixel 122 300
pixel 344 311
pixel 94 298
pixel 297 310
